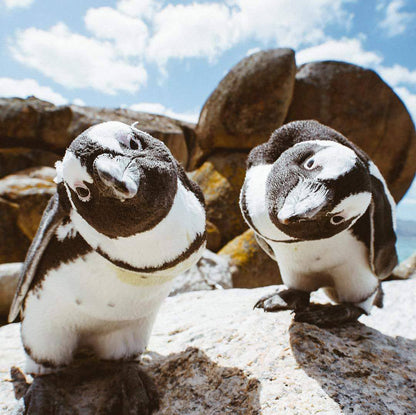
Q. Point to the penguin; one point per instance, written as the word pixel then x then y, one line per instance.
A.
pixel 124 221
pixel 321 208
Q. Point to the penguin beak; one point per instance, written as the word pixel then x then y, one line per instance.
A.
pixel 303 203
pixel 288 215
pixel 116 175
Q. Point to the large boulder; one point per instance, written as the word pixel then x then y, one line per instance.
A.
pixel 359 104
pixel 38 124
pixel 221 178
pixel 250 265
pixel 211 353
pixel 18 158
pixel 249 103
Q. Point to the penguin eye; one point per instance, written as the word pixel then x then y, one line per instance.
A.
pixel 133 144
pixel 336 219
pixel 83 193
pixel 309 164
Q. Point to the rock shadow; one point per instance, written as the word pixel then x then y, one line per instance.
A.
pixel 361 369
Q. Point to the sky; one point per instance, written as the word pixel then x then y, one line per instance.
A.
pixel 167 57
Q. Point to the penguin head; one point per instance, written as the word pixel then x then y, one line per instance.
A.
pixel 119 179
pixel 316 189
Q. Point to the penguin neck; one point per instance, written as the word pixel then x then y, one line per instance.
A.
pixel 153 248
pixel 254 205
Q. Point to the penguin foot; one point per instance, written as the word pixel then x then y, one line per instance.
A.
pixel 328 315
pixel 102 388
pixel 289 299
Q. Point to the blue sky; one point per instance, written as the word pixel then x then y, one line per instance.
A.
pixel 167 57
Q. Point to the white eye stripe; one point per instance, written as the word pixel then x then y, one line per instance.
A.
pixel 83 192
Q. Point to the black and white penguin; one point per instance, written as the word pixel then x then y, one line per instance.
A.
pixel 321 208
pixel 125 220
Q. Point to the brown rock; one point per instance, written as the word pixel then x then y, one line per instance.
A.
pixel 19 158
pixel 250 266
pixel 213 237
pixel 13 242
pixel 221 178
pixel 9 276
pixel 359 104
pixel 249 103
pixel 38 124
pixel 29 191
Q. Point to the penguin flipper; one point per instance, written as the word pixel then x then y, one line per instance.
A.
pixel 265 246
pixel 51 219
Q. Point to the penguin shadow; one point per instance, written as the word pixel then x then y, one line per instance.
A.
pixel 183 383
pixel 189 382
pixel 361 369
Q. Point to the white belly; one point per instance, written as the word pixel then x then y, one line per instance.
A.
pixel 340 262
pixel 92 286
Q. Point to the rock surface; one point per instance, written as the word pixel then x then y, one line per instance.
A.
pixel 9 276
pixel 250 265
pixel 29 190
pixel 406 268
pixel 249 103
pixel 359 104
pixel 14 159
pixel 221 178
pixel 38 124
pixel 211 353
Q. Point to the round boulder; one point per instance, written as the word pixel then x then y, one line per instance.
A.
pixel 220 179
pixel 249 103
pixel 250 266
pixel 359 104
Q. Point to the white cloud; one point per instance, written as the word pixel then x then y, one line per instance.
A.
pixel 77 61
pixel 24 88
pixel 138 8
pixel 129 33
pixel 208 29
pixel 396 21
pixel 196 30
pixel 156 108
pixel 397 74
pixel 287 22
pixel 345 49
pixel 252 51
pixel 11 4
pixel 409 99
pixel 78 101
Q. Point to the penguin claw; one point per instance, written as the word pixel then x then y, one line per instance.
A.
pixel 102 388
pixel 280 300
pixel 328 315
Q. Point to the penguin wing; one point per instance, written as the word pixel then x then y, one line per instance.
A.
pixel 52 217
pixel 265 246
pixel 383 255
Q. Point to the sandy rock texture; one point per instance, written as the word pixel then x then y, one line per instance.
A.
pixel 359 104
pixel 9 276
pixel 211 353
